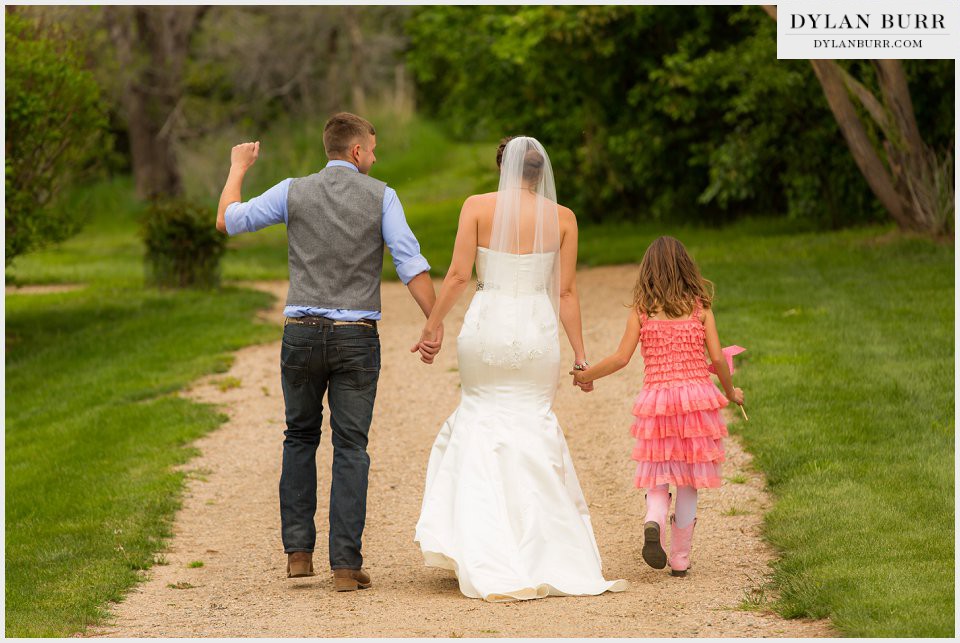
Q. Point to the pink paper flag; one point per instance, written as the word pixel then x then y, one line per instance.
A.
pixel 728 354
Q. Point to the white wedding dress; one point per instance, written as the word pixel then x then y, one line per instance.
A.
pixel 502 506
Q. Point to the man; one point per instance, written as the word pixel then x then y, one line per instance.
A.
pixel 338 220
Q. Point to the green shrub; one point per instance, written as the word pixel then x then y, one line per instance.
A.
pixel 183 246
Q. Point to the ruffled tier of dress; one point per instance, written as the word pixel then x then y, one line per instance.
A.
pixel 689 450
pixel 698 475
pixel 696 424
pixel 673 352
pixel 678 399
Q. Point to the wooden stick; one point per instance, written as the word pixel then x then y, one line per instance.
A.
pixel 745 418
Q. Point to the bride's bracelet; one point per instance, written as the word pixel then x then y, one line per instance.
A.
pixel 581 366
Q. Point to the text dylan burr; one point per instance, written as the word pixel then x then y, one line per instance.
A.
pixel 866 21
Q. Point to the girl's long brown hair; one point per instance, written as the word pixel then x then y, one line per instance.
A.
pixel 670 281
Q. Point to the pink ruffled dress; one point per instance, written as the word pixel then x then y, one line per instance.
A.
pixel 678 426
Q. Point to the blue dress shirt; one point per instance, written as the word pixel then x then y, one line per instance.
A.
pixel 271 208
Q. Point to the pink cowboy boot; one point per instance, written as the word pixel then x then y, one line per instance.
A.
pixel 681 541
pixel 654 528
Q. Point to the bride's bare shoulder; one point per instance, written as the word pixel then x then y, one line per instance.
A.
pixel 566 215
pixel 481 199
pixel 480 205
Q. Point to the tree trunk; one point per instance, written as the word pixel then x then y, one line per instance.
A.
pixel 908 182
pixel 152 45
pixel 358 92
pixel 332 94
pixel 866 157
pixel 402 90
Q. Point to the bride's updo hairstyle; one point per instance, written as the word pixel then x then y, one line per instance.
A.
pixel 532 161
pixel 670 281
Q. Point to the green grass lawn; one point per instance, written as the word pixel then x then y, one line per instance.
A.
pixel 92 431
pixel 848 378
pixel 849 383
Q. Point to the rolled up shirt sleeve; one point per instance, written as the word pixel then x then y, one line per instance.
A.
pixel 259 212
pixel 404 247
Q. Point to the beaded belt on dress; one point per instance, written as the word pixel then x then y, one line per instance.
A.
pixel 482 285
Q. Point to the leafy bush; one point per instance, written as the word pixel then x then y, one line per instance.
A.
pixel 55 130
pixel 658 113
pixel 184 248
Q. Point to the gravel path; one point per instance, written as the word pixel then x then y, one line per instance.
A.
pixel 230 516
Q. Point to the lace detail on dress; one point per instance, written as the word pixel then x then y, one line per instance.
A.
pixel 513 356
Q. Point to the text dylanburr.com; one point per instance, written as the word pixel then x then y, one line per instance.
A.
pixel 868 29
pixel 862 43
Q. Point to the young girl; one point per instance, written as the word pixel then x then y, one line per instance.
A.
pixel 678 425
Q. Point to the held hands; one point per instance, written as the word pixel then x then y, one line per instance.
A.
pixel 429 344
pixel 580 379
pixel 244 155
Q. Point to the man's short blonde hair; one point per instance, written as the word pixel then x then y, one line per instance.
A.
pixel 344 130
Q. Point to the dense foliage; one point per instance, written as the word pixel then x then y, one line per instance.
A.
pixel 183 248
pixel 54 130
pixel 657 112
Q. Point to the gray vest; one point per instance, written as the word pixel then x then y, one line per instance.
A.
pixel 334 239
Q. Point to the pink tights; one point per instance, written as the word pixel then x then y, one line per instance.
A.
pixel 658 504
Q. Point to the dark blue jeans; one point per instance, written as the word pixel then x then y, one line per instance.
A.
pixel 342 361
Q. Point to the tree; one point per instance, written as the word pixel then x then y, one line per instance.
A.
pixel 173 75
pixel 55 124
pixel 152 44
pixel 653 113
pixel 332 58
pixel 904 172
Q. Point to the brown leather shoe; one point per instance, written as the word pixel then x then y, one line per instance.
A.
pixel 347 580
pixel 299 564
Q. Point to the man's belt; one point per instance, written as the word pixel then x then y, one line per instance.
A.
pixel 315 320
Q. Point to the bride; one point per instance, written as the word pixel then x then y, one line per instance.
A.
pixel 502 507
